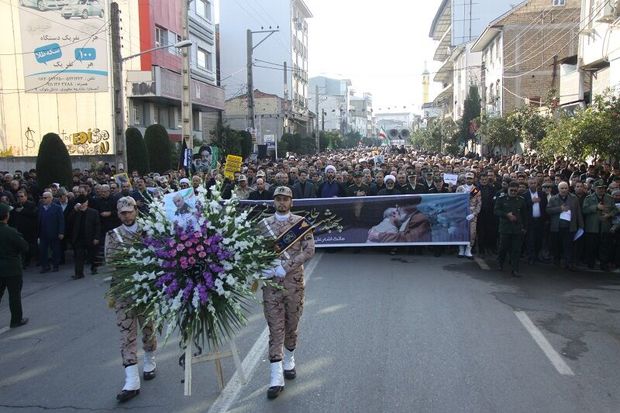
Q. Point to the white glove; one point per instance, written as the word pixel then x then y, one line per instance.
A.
pixel 279 271
pixel 470 217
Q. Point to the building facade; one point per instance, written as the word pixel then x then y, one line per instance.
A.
pixel 455 26
pixel 55 76
pixel 596 65
pixel 62 76
pixel 334 97
pixel 522 53
pixel 280 59
pixel 153 82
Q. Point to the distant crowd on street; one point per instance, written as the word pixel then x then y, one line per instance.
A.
pixel 560 201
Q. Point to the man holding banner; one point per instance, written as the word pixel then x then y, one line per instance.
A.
pixel 283 306
pixel 475 203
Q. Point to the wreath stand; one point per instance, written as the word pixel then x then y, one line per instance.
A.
pixel 216 355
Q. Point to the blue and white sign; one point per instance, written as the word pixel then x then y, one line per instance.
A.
pixel 65 47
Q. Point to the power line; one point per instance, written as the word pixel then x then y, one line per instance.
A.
pixel 540 47
pixel 593 16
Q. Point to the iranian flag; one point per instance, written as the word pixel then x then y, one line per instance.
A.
pixel 382 134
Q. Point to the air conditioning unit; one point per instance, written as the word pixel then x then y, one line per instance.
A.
pixel 609 12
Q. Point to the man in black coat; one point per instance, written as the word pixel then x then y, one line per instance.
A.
pixel 85 236
pixel 12 246
pixel 536 203
pixel 24 219
pixel 303 188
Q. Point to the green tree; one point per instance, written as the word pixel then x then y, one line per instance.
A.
pixel 471 112
pixel 497 133
pixel 592 132
pixel 53 162
pixel 245 143
pixel 137 155
pixel 351 139
pixel 530 124
pixel 159 148
pixel 330 140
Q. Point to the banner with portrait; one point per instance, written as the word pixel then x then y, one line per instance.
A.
pixel 427 219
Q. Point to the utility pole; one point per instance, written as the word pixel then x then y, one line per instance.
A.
pixel 250 49
pixel 316 97
pixel 117 84
pixel 186 97
pixel 249 62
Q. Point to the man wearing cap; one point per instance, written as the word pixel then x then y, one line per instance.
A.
pixel 512 214
pixel 358 187
pixel 283 306
pixel 242 191
pixel 331 188
pixel 12 247
pixel 598 211
pixel 475 203
pixel 126 318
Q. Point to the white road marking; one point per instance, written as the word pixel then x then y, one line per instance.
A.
pixel 4 330
pixel 228 396
pixel 482 263
pixel 553 356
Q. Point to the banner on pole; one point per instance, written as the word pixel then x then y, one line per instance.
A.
pixel 427 219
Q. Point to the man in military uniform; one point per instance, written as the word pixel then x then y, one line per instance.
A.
pixel 512 213
pixel 283 306
pixel 598 211
pixel 12 247
pixel 126 318
pixel 475 203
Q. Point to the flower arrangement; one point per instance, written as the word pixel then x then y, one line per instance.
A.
pixel 195 274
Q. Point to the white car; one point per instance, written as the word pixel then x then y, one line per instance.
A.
pixel 44 5
pixel 83 9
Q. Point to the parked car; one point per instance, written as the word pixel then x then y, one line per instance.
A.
pixel 83 9
pixel 44 5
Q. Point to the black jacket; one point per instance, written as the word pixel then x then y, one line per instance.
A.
pixel 92 226
pixel 24 220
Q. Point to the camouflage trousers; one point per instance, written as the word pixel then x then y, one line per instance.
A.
pixel 473 226
pixel 127 322
pixel 283 309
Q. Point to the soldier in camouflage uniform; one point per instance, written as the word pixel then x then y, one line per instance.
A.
pixel 127 320
pixel 283 307
pixel 475 204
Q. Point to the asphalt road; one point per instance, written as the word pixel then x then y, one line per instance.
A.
pixel 380 333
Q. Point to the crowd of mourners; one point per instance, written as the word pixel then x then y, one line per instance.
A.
pixel 55 219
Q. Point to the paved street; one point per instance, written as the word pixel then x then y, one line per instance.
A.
pixel 380 333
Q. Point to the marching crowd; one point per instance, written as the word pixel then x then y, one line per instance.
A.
pixel 561 200
pixel 519 206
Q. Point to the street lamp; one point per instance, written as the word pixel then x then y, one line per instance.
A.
pixel 179 45
pixel 121 98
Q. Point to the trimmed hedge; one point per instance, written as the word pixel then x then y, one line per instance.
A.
pixel 53 162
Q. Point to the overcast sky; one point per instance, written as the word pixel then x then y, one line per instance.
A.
pixel 381 46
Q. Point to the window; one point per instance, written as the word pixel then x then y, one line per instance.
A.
pixel 161 36
pixel 203 9
pixel 201 58
pixel 204 59
pixel 559 2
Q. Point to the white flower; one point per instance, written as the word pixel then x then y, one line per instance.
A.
pixel 219 287
pixel 230 280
